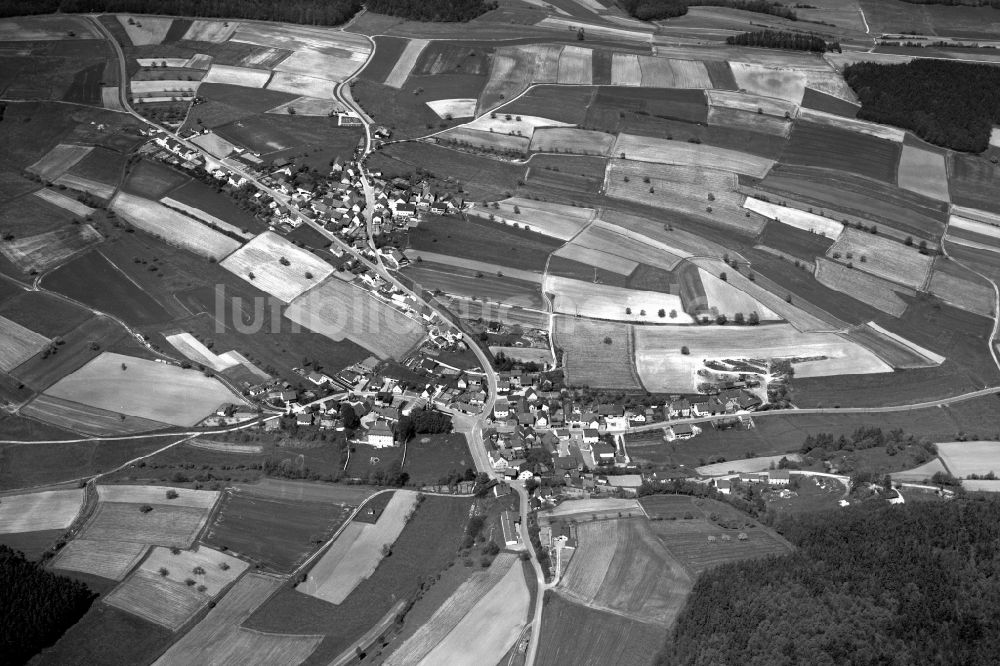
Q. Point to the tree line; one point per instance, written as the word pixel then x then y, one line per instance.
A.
pixel 995 4
pixel 432 10
pixel 947 103
pixel 909 584
pixel 654 10
pixel 309 12
pixel 36 606
pixel 781 39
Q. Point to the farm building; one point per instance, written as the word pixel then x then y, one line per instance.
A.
pixel 680 431
pixel 509 523
pixel 380 435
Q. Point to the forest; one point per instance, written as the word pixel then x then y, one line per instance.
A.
pixel 36 606
pixel 780 39
pixel 947 103
pixel 309 12
pixel 432 10
pixel 908 584
pixel 995 4
pixel 653 10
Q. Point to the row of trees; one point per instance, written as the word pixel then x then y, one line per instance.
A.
pixel 911 584
pixel 310 12
pixel 781 39
pixel 654 10
pixel 947 103
pixel 432 10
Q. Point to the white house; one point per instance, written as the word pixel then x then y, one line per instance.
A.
pixel 380 435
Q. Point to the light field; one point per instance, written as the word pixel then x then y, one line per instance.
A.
pixel 18 344
pixel 173 227
pixel 616 241
pixel 515 67
pixel 107 559
pixel 214 145
pixel 356 553
pixel 301 84
pixel 884 257
pixel 195 499
pixel 625 70
pixel 965 458
pixel 746 465
pixel 155 598
pixel 225 447
pixel 571 140
pixel 35 512
pixel 237 76
pixel 64 202
pixel 596 258
pixel 600 301
pixel 968 294
pixel 218 639
pixel 853 124
pixel 575 66
pixel 593 508
pixel 150 390
pixel 261 258
pixel 924 172
pixel 663 151
pixel 672 73
pixel 338 310
pixel 454 108
pixel 867 288
pixel 202 215
pixel 145 30
pixel 755 104
pixel 81 184
pixel 407 59
pixel 749 121
pixel 794 217
pixel 309 106
pixel 518 124
pixel 552 219
pixel 161 88
pixel 589 360
pixel 920 473
pixel 332 67
pixel 329 41
pixel 59 160
pixel 488 140
pixel 783 83
pixel 215 32
pixel 77 417
pixel 163 526
pixel 722 297
pixel 932 357
pixel 182 566
pixel 194 350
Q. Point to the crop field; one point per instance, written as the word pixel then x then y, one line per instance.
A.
pixel 339 310
pixel 600 301
pixel 738 101
pixel 138 387
pixel 44 28
pixel 663 151
pixel 219 638
pixel 165 525
pixel 852 124
pixel 551 219
pixel 515 67
pixel 560 103
pixel 356 553
pixel 625 70
pixel 34 512
pixel 589 360
pixel 813 100
pixel 107 559
pixel 44 250
pixel 405 63
pixel 575 634
pixel 483 241
pixel 82 184
pixel 876 292
pixel 213 220
pixel 571 140
pixel 786 84
pixel 76 417
pixel 962 289
pixel 758 464
pixel 927 354
pixel 256 263
pixel 521 125
pixel 487 140
pixel 247 77
pixel 924 172
pixel 895 353
pixel 309 106
pixel 672 73
pixel 287 490
pixel 458 281
pixel 490 628
pixel 18 344
pixel 593 257
pixel 747 121
pixel 64 202
pixel 300 84
pixel 144 30
pixel 163 88
pixel 73 324
pixel 214 144
pixel 194 350
pixel 620 566
pixel 884 258
pixel 684 189
pixel 454 108
pixel 793 217
pixel 688 541
pixel 59 160
pixel 832 148
pixel 279 532
pixel 220 568
pixel 724 298
pixel 152 179
pixel 965 458
pixel 215 32
pixel 575 66
pixel 173 227
pixel 920 473
pixel 969 182
pixel 198 499
pixel 616 241
pixel 155 598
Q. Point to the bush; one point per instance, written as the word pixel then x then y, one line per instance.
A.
pixel 145 508
pixel 171 494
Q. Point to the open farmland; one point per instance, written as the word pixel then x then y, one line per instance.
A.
pixel 721 297
pixel 755 104
pixel 663 151
pixel 301 84
pixel 138 387
pixel 84 184
pixel 457 281
pixel 339 310
pixel 156 598
pixel 575 66
pixel 76 417
pixel 213 221
pixel 356 553
pixel 965 458
pixel 589 359
pixel 215 32
pixel 219 638
pixel 107 559
pixel 617 241
pixel 575 634
pixel 625 70
pixel 220 569
pixel 489 141
pixel 600 301
pixel 515 67
pixel 591 257
pixel 784 83
pixel 259 262
pixel 551 219
pixel 619 565
pixel 867 288
pixel 197 499
pixel 673 73
pixel 34 512
pixel 18 344
pixel 924 172
pixel 688 541
pixel 194 350
pixel 454 108
pixel 173 227
pixel 522 125
pixel 963 289
pixel 570 140
pixel 853 125
pixel 832 148
pixel 404 64
pixel 793 217
pixel 970 181
pixel 901 355
pixel 482 241
pixel 64 202
pixel 59 160
pixel 247 77
pixel 165 525
pixel 884 258
pixel 50 248
pixel 144 30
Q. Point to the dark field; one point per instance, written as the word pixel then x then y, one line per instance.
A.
pixel 102 165
pixel 201 196
pixel 226 103
pixel 152 179
pixel 107 635
pixel 487 242
pixel 721 76
pixel 894 16
pixel 387 52
pixel 813 99
pixel 796 242
pixel 463 282
pixel 40 373
pixel 676 104
pixel 972 182
pixel 563 267
pixel 403 112
pixel 30 215
pixel 572 173
pixel 567 104
pixel 853 152
pixel 43 313
pixel 440 455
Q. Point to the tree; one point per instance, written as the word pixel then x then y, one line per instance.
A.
pixel 171 494
pixel 721 320
pixel 349 416
pixel 723 276
pixel 607 340
pixel 753 319
pixel 738 318
pixel 661 313
pixel 628 311
pixel 685 350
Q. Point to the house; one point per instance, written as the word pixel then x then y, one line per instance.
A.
pixel 500 464
pixel 679 431
pixel 508 524
pixel 304 419
pixel 405 210
pixel 778 477
pixel 724 486
pixel 603 452
pixel 501 409
pixel 379 435
pixel 590 436
pixel 318 378
pixel 679 409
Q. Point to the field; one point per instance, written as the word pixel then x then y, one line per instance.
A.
pixel 758 464
pixel 593 509
pixel 662 151
pixel 34 512
pixel 515 67
pixel 45 250
pixel 748 121
pixel 107 559
pixel 279 532
pixel 634 247
pixel 852 124
pixel 83 184
pixel 793 217
pixel 884 258
pixel 721 297
pixel 551 219
pixel 962 289
pixel 220 568
pixel 454 108
pixel 876 292
pixel 965 458
pixel 158 599
pixel 816 145
pixel 483 241
pixel 924 172
pixel 356 553
pixel 196 499
pixel 688 541
pixel 339 310
pixel 142 388
pixel 300 84
pixel 575 634
pixel 219 638
pixel 463 282
pixel 59 160
pixel 246 77
pixel 64 202
pixel 405 63
pixel 786 84
pixel 600 301
pixel 143 30
pixel 589 360
pixel 18 344
pixel 77 417
pixel 590 257
pixel 969 181
pixel 194 350
pixel 570 140
pixel 173 227
pixel 165 525
pixel 620 566
pixel 255 262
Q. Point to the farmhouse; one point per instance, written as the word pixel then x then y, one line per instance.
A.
pixel 379 435
pixel 679 431
pixel 509 523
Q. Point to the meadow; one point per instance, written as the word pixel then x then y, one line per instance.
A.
pixel 35 512
pixel 175 228
pixel 108 559
pixel 276 266
pixel 589 359
pixel 484 241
